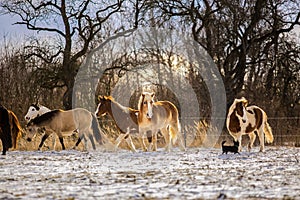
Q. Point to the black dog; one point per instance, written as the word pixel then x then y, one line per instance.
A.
pixel 234 149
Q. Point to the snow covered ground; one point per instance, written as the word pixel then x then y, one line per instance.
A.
pixel 196 173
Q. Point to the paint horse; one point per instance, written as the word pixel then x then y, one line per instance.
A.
pixel 64 123
pixel 125 118
pixel 155 116
pixel 35 110
pixel 10 129
pixel 243 119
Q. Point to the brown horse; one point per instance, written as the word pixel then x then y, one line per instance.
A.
pixel 243 119
pixel 64 123
pixel 9 129
pixel 160 115
pixel 15 128
pixel 124 117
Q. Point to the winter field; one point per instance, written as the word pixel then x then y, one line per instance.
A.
pixel 198 173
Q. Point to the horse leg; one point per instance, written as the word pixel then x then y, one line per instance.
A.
pixel 61 140
pixel 85 143
pixel 261 137
pixel 4 148
pixel 119 140
pixel 252 137
pixel 165 133
pixel 130 143
pixel 154 141
pixel 142 140
pixel 92 141
pixel 53 141
pixel 78 142
pixel 181 141
pixel 43 140
pixel 239 139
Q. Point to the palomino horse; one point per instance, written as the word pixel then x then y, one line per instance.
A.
pixel 10 129
pixel 243 119
pixel 160 115
pixel 64 123
pixel 124 117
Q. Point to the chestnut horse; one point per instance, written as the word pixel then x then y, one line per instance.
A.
pixel 124 117
pixel 155 116
pixel 243 119
pixel 10 129
pixel 64 123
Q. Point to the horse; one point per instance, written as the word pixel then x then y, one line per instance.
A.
pixel 10 129
pixel 125 118
pixel 15 128
pixel 64 123
pixel 246 120
pixel 34 111
pixel 160 115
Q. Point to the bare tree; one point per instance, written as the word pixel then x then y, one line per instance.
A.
pixel 232 31
pixel 74 28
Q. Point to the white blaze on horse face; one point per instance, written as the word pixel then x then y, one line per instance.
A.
pixel 147 103
pixel 245 119
pixel 97 110
pixel 149 112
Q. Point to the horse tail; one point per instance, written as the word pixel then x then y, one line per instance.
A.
pixel 96 130
pixel 268 131
pixel 173 134
pixel 16 129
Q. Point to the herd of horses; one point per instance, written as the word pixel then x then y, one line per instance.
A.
pixel 150 117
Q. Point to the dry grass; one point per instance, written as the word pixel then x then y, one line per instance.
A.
pixel 197 135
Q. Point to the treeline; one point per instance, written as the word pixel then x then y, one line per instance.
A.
pixel 250 42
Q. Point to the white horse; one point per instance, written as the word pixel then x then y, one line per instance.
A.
pixel 35 110
pixel 243 119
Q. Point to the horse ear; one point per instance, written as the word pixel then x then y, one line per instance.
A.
pixel 152 94
pixel 100 97
pixel 245 101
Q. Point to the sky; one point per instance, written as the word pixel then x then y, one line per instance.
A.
pixel 17 33
pixel 13 33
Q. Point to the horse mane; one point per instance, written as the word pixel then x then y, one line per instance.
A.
pixel 109 98
pixel 112 100
pixel 45 117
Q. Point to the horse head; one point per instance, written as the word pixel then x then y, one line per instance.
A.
pixel 33 112
pixel 146 104
pixel 103 106
pixel 240 108
pixel 31 130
